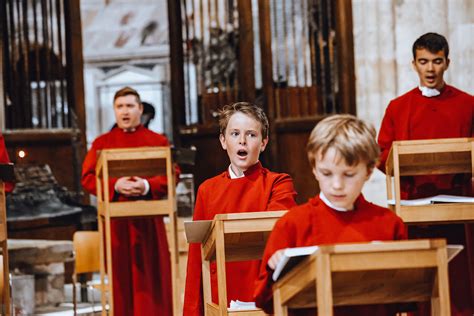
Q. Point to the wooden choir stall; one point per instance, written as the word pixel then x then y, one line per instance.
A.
pixel 430 157
pixel 230 237
pixel 367 273
pixel 144 161
pixel 6 175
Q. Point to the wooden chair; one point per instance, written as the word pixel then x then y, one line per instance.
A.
pixel 142 161
pixel 6 174
pixel 430 157
pixel 86 260
pixel 367 273
pixel 231 237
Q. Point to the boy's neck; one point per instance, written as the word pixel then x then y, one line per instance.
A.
pixel 328 203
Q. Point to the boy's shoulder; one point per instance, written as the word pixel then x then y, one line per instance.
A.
pixel 298 213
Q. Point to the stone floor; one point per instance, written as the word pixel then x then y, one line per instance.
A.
pixel 66 308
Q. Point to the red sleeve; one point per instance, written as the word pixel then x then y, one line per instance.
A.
pixel 88 178
pixel 193 295
pixel 401 232
pixel 5 159
pixel 281 237
pixel 386 137
pixel 283 194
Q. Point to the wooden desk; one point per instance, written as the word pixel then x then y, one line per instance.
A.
pixel 233 237
pixel 367 273
pixel 140 161
pixel 430 157
pixel 6 174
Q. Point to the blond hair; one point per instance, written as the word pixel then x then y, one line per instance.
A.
pixel 351 137
pixel 246 108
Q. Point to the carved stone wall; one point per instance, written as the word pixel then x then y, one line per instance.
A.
pixel 384 31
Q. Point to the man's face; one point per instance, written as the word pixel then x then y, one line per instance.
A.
pixel 430 68
pixel 127 112
pixel 340 183
pixel 243 141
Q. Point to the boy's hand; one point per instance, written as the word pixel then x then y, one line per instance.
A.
pixel 275 258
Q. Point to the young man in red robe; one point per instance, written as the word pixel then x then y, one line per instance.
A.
pixel 342 151
pixel 140 254
pixel 245 186
pixel 5 159
pixel 433 110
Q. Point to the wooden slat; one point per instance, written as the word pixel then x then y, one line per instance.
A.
pixel 141 207
pixel 438 213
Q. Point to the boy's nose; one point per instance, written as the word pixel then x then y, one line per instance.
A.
pixel 337 183
pixel 242 140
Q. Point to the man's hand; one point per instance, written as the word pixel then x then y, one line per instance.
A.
pixel 130 186
pixel 275 258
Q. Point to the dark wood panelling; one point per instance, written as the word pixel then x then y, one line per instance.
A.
pixel 53 147
pixel 345 57
pixel 292 157
pixel 211 159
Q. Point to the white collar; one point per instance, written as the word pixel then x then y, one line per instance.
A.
pixel 428 92
pixel 328 203
pixel 129 130
pixel 233 175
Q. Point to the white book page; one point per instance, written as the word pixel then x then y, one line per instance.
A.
pixel 292 253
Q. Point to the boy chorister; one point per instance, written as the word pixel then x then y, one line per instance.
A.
pixel 246 186
pixel 342 152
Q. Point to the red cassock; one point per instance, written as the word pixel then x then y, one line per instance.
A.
pixel 259 190
pixel 448 115
pixel 140 254
pixel 315 223
pixel 5 159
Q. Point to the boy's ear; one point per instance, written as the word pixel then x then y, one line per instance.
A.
pixel 264 144
pixel 222 140
pixel 370 170
pixel 315 174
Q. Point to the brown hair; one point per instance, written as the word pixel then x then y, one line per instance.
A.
pixel 127 91
pixel 433 42
pixel 351 137
pixel 246 108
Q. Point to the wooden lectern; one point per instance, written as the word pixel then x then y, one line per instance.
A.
pixel 6 175
pixel 142 161
pixel 232 237
pixel 430 157
pixel 367 273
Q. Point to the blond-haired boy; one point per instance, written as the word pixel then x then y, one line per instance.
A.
pixel 245 186
pixel 342 151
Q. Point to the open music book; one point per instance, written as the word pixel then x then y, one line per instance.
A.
pixel 292 256
pixel 435 199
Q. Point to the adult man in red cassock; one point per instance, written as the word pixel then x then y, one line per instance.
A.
pixel 140 254
pixel 433 110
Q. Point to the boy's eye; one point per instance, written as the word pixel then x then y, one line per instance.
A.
pixel 349 175
pixel 252 134
pixel 234 133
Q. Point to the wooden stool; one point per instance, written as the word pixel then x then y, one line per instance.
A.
pixel 430 157
pixel 6 174
pixel 231 237
pixel 142 161
pixel 367 273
